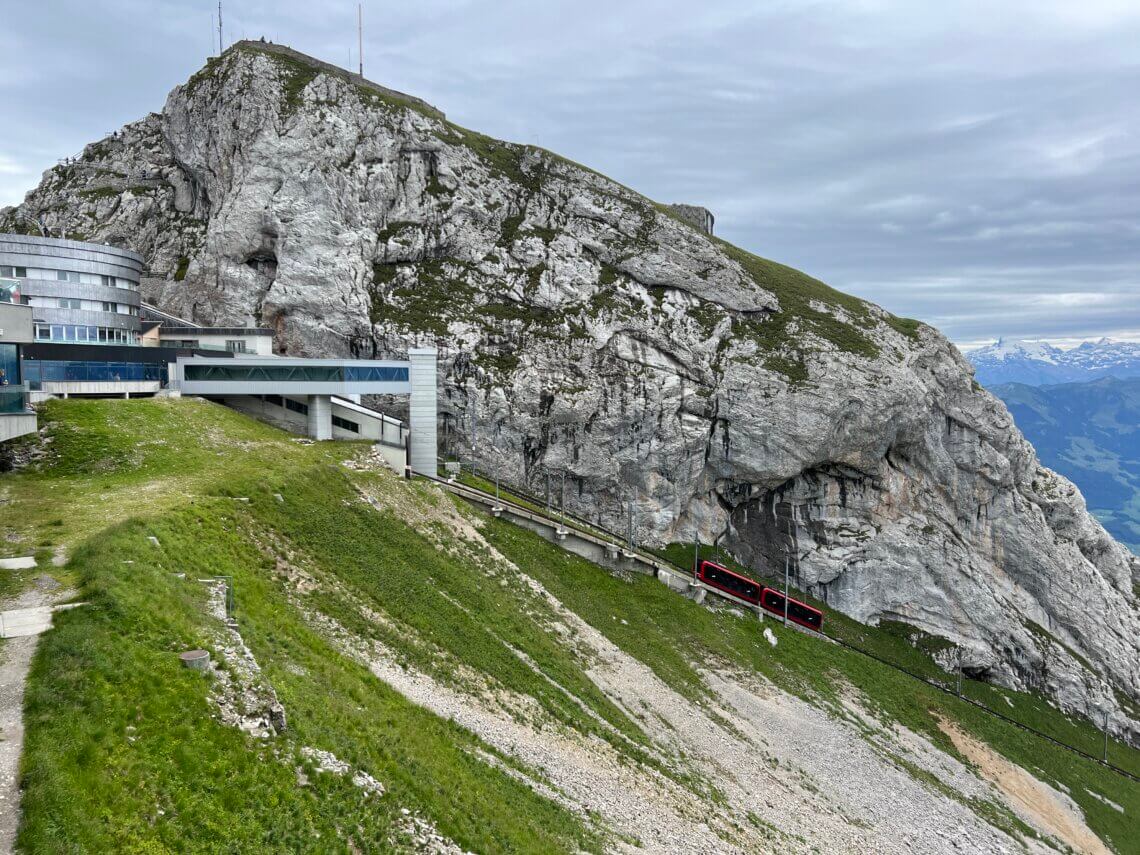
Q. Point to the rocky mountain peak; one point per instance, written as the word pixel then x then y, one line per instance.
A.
pixel 591 334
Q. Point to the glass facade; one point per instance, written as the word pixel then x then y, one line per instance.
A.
pixel 36 371
pixel 299 373
pixel 84 334
pixel 376 374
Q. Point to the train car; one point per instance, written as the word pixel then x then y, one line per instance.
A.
pixel 723 579
pixel 803 614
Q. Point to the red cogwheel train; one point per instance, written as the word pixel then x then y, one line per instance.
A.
pixel 751 591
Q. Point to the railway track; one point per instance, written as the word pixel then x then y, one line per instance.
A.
pixel 595 533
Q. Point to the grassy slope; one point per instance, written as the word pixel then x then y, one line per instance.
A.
pixel 117 732
pixel 666 632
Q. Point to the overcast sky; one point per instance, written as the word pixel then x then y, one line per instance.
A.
pixel 972 164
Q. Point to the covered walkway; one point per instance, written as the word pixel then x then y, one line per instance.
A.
pixel 317 381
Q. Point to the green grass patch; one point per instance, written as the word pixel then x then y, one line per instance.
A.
pixel 123 751
pixel 98 193
pixel 448 601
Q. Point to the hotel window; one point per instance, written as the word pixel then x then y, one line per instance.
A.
pixel 43 333
pixel 68 303
pixel 66 276
pixel 7 271
pixel 235 345
pixel 108 307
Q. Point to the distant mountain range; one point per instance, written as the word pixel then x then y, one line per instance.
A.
pixel 1089 432
pixel 1037 363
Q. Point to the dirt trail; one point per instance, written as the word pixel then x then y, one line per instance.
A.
pixel 1034 801
pixel 15 660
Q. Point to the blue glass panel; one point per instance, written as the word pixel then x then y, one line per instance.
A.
pixel 376 373
pixel 9 365
pixel 12 400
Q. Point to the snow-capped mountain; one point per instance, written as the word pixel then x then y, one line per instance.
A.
pixel 1038 363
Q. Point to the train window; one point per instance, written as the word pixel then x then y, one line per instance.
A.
pixel 730 582
pixel 806 614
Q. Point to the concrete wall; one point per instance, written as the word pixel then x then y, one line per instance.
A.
pixel 15 324
pixel 422 410
pixel 110 387
pixel 16 424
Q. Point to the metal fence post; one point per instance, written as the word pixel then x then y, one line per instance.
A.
pixel 1106 736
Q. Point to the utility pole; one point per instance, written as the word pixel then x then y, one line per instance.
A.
pixel 221 41
pixel 696 549
pixel 787 565
pixel 562 497
pixel 631 525
pixel 548 494
pixel 360 36
pixel 959 671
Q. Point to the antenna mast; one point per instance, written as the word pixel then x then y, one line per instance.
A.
pixel 360 36
pixel 221 42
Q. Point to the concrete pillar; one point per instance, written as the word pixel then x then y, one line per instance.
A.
pixel 422 410
pixel 320 417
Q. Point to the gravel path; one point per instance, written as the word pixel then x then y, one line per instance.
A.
pixel 15 660
pixel 16 656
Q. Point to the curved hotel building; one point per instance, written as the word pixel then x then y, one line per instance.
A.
pixel 82 329
pixel 80 293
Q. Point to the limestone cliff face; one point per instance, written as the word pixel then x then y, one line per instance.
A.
pixel 587 332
